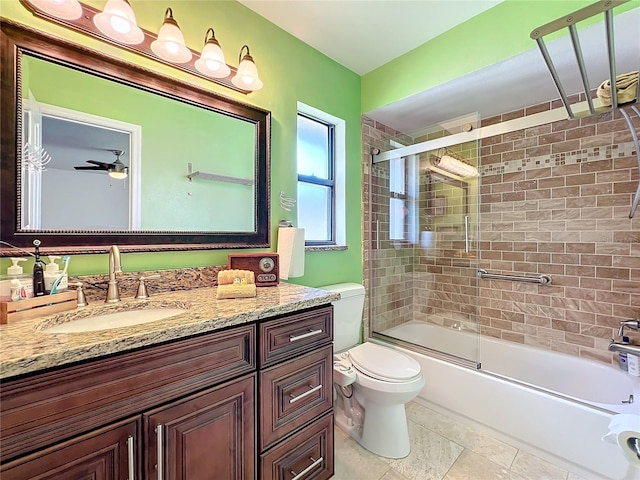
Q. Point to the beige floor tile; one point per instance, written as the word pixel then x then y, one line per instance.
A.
pixel 472 466
pixel 484 445
pixel 352 462
pixel 431 455
pixel 391 475
pixel 528 467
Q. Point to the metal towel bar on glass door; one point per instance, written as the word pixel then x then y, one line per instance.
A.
pixel 541 279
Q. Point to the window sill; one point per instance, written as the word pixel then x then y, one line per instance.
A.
pixel 324 248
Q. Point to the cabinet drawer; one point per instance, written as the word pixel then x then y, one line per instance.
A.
pixel 306 455
pixel 294 393
pixel 294 335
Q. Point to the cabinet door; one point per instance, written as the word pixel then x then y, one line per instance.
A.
pixel 108 453
pixel 206 436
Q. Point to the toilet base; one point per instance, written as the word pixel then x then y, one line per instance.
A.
pixel 384 431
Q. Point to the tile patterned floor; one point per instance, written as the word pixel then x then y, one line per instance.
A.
pixel 443 449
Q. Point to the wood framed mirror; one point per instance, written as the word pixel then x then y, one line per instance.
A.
pixel 97 151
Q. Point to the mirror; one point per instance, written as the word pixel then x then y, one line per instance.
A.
pixel 191 166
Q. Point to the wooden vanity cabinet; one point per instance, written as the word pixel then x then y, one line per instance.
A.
pixel 296 396
pixel 252 401
pixel 51 421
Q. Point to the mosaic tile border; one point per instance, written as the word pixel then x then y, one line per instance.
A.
pixel 583 155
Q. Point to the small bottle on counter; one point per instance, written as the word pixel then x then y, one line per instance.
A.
pixel 51 273
pixel 38 273
pixel 15 285
pixel 622 356
pixel 633 363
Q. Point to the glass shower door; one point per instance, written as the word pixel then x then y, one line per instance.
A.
pixel 422 270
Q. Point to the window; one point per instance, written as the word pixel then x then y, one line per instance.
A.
pixel 397 200
pixel 320 160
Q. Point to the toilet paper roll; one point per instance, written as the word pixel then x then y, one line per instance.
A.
pixel 291 252
pixel 624 431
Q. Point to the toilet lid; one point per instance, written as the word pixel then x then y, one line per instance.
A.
pixel 384 363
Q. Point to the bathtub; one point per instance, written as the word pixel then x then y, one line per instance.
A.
pixel 551 404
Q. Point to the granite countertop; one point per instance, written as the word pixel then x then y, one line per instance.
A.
pixel 26 348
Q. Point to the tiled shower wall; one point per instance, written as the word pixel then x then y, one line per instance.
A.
pixel 554 199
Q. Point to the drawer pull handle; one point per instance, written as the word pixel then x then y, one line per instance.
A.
pixel 310 333
pixel 131 459
pixel 308 392
pixel 160 459
pixel 315 463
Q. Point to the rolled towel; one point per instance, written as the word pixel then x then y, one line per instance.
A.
pixel 236 290
pixel 626 88
pixel 227 277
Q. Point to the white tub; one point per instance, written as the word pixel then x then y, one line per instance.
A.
pixel 563 423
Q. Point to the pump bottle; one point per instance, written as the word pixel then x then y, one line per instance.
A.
pixel 38 273
pixel 51 273
pixel 15 285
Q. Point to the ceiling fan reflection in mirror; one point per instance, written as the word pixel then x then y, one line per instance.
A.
pixel 117 169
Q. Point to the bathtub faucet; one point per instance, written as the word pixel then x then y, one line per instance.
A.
pixel 632 324
pixel 624 348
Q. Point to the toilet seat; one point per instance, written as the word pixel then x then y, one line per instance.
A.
pixel 384 363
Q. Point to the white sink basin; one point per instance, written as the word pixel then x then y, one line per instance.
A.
pixel 109 321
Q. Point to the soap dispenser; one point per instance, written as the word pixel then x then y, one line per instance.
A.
pixel 8 285
pixel 38 272
pixel 51 273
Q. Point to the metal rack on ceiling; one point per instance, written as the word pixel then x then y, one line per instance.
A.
pixel 569 21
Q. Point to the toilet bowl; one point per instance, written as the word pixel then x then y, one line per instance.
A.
pixel 372 382
pixel 383 381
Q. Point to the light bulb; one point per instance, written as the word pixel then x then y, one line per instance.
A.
pixel 63 9
pixel 211 62
pixel 170 42
pixel 118 22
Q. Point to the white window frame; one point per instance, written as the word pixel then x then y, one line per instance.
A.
pixel 339 170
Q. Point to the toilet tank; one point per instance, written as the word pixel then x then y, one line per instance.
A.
pixel 347 314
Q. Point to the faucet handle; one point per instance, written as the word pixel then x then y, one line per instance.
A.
pixel 82 300
pixel 632 324
pixel 142 293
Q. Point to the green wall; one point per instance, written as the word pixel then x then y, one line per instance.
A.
pixel 291 71
pixel 495 35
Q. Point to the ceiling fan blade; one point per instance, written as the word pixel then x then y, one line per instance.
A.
pixel 101 169
pixel 104 165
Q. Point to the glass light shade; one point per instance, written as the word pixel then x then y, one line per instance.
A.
pixel 118 22
pixel 170 44
pixel 211 62
pixel 457 167
pixel 118 175
pixel 247 75
pixel 63 9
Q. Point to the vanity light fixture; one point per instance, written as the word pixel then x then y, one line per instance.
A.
pixel 170 42
pixel 118 22
pixel 451 163
pixel 64 9
pixel 247 76
pixel 211 62
pixel 117 25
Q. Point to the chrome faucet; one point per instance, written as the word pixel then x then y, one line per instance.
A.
pixel 632 324
pixel 624 348
pixel 113 295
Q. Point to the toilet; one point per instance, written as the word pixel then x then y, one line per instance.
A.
pixel 372 383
